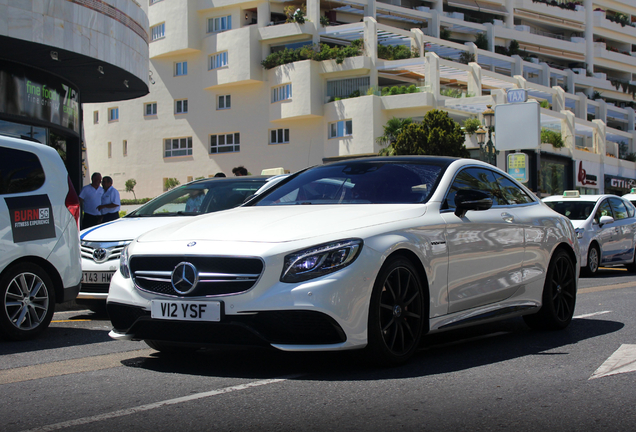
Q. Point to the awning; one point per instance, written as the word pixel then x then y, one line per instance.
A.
pixel 464 4
pixel 480 6
pixel 489 7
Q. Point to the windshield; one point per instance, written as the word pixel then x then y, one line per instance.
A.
pixel 201 197
pixel 574 210
pixel 359 183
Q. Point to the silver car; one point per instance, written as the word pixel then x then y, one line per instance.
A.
pixel 605 226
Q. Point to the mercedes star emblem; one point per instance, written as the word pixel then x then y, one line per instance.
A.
pixel 184 278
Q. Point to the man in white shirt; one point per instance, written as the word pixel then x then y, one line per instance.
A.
pixel 110 201
pixel 91 196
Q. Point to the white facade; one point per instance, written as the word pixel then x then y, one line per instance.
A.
pixel 207 54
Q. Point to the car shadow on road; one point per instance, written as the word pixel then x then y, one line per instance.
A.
pixel 441 353
pixel 55 337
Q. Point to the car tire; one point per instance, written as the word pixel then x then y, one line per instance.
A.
pixel 28 301
pixel 559 295
pixel 593 261
pixel 631 267
pixel 169 347
pixel 397 313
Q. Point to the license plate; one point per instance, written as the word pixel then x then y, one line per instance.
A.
pixel 97 277
pixel 186 310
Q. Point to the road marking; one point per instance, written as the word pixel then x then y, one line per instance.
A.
pixel 70 320
pixel 622 361
pixel 68 367
pixel 607 287
pixel 141 408
pixel 591 314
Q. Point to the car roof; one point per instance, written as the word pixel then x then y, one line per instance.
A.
pixel 438 160
pixel 584 198
pixel 259 178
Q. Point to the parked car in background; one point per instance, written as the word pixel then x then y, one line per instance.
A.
pixel 371 252
pixel 605 226
pixel 102 244
pixel 39 218
pixel 631 196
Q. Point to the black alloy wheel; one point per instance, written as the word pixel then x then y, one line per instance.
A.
pixel 559 295
pixel 28 301
pixel 397 313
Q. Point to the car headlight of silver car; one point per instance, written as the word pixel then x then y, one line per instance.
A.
pixel 123 263
pixel 320 260
pixel 579 232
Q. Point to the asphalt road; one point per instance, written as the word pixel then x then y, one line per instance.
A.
pixel 497 377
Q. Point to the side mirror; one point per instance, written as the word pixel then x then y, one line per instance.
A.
pixel 605 220
pixel 467 199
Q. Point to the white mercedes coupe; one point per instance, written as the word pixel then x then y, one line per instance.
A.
pixel 366 253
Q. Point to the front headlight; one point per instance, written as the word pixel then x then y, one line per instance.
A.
pixel 123 263
pixel 320 260
pixel 579 232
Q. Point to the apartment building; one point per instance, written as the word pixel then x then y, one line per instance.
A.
pixel 219 97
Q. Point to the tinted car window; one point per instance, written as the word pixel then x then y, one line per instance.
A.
pixel 619 208
pixel 479 179
pixel 200 197
pixel 358 183
pixel 604 209
pixel 575 210
pixel 511 193
pixel 20 171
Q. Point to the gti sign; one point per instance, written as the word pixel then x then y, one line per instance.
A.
pixel 517 95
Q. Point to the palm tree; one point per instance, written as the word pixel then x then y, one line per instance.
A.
pixel 392 129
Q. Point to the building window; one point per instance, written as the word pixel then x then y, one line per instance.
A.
pixel 219 24
pixel 225 143
pixel 218 60
pixel 113 114
pixel 158 31
pixel 95 117
pixel 150 109
pixel 281 92
pixel 181 68
pixel 225 102
pixel 278 136
pixel 110 149
pixel 124 146
pixel 340 129
pixel 181 106
pixel 177 147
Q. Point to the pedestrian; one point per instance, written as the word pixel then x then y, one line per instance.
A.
pixel 239 171
pixel 110 201
pixel 90 197
pixel 219 174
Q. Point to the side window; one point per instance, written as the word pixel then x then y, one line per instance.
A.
pixel 475 179
pixel 603 210
pixel 511 193
pixel 20 171
pixel 619 208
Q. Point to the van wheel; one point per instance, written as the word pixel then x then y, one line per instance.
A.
pixel 28 301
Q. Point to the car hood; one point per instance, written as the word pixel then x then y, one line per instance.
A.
pixel 127 228
pixel 278 224
pixel 577 223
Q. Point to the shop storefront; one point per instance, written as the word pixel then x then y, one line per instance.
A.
pixel 42 107
pixel 587 177
pixel 618 185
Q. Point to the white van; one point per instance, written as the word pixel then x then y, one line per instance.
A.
pixel 40 264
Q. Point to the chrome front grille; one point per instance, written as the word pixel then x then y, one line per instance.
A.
pixel 216 275
pixel 102 251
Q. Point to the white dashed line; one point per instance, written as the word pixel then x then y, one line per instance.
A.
pixel 141 408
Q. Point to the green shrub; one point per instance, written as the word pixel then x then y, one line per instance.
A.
pixel 551 137
pixel 412 88
pixel 471 125
pixel 309 52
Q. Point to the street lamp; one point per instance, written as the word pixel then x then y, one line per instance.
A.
pixel 488 152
